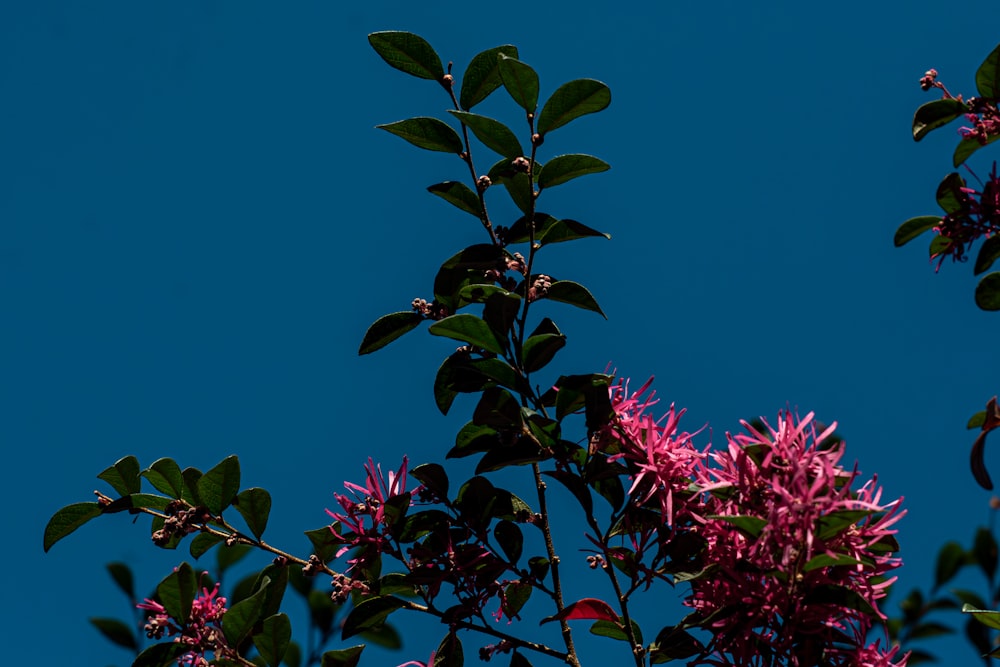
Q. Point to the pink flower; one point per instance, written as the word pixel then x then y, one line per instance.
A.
pixel 202 633
pixel 978 217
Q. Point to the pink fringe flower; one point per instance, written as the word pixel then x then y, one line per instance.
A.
pixel 202 633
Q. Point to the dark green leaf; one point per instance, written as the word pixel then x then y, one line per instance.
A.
pixel 949 193
pixel 826 560
pixel 520 81
pixel 988 618
pixel 914 227
pixel 293 656
pixel 525 450
pixel 459 195
pixel 427 133
pixel 123 476
pixel 969 145
pixel 345 657
pixel 370 613
pixel 568 230
pixel 989 252
pixel 834 523
pixel 254 505
pixel 160 655
pixel 516 595
pixel 939 246
pixel 520 190
pixel 449 652
pixel 383 635
pixel 321 610
pixel 482 76
pixel 576 486
pixel 500 313
pixel 479 294
pixel 510 539
pixel 219 486
pixel 166 477
pixel 122 576
pixel 190 494
pixel 227 556
pixel 518 660
pixel 481 256
pixel 840 596
pixel 273 639
pixel 542 345
pixel 434 477
pixel 539 567
pixel 387 329
pixel 117 632
pixel 202 543
pixel 988 75
pixel 673 643
pixel 572 100
pixel 977 420
pixel 565 291
pixel 239 620
pixel 68 519
pixel 498 408
pixel 469 329
pixel 419 524
pixel 613 630
pixel 929 629
pixel 408 52
pixel 520 231
pixel 988 292
pixel 564 168
pixel 149 501
pixel 324 543
pixel 473 439
pixel 492 133
pixel 934 114
pixel 177 591
pixel 984 552
pixel 452 376
pixel 749 525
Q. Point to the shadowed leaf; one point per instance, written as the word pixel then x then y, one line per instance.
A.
pixel 914 227
pixel 988 292
pixel 520 81
pixel 495 135
pixel 68 519
pixel 387 329
pixel 427 133
pixel 934 114
pixel 407 52
pixel 482 76
pixel 572 100
pixel 459 195
pixel 988 75
pixel 563 168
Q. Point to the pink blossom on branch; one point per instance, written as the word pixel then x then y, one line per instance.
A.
pixel 201 634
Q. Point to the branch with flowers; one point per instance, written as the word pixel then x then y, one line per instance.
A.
pixel 782 551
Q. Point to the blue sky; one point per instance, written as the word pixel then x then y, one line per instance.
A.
pixel 200 221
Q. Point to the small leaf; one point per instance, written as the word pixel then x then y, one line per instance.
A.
pixel 449 652
pixel 751 526
pixel 324 543
pixel 239 620
pixel 522 452
pixel 117 632
pixel 988 618
pixel 976 420
pixel 988 292
pixel 587 608
pixel 433 477
pixel 427 133
pixel 166 477
pixel 520 81
pixel 469 329
pixel 459 195
pixel 568 230
pixel 123 476
pixel 345 657
pixel 515 596
pixel 230 555
pixel 988 75
pixel 160 655
pixel 572 100
pixel 673 643
pixel 934 114
pixel 969 145
pixel 122 576
pixel 492 133
pixel 370 613
pixel 564 168
pixel 219 486
pixel 68 519
pixel 914 227
pixel 177 591
pixel 826 560
pixel 989 252
pixel 520 190
pixel 273 639
pixel 202 542
pixel 387 329
pixel 254 505
pixel 949 194
pixel 984 552
pixel 510 539
pixel 482 76
pixel 408 52
pixel 542 345
pixel 190 494
pixel 565 291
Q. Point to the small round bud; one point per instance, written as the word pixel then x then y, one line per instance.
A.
pixel 483 182
pixel 537 139
pixel 520 164
pixel 995 503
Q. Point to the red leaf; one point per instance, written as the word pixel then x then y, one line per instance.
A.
pixel 587 608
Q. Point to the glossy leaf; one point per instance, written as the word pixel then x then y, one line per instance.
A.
pixel 468 329
pixel 160 655
pixel 988 618
pixel 613 630
pixel 122 576
pixel 421 523
pixel 166 477
pixel 587 608
pixel 480 256
pixel 117 632
pixel 68 519
pixel 565 291
pixel 370 613
pixel 482 76
pixel 345 657
pixel 408 52
pixel 202 543
pixel 123 476
pixel 542 345
pixel 834 523
pixel 239 620
pixel 989 252
pixel 521 232
pixel 449 652
pixel 479 293
pixel 472 439
pixel 988 292
pixel 949 193
pixel 427 133
pixel 254 505
pixel 568 230
pixel 434 477
pixel 387 329
pixel 273 639
pixel 218 486
pixel 826 560
pixel 516 595
pixel 933 115
pixel 988 75
pixel 177 592
pixel 492 133
pixel 458 194
pixel 673 643
pixel 914 227
pixel 748 525
pixel 510 539
pixel 521 81
pixel 967 146
pixel 572 100
pixel 563 168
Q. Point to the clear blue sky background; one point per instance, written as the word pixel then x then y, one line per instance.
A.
pixel 198 222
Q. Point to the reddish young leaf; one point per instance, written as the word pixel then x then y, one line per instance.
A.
pixel 587 608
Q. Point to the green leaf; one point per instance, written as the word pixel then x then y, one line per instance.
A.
pixel 988 76
pixel 472 439
pixel 498 408
pixel 323 542
pixel 177 592
pixel 122 576
pixel 482 76
pixel 433 477
pixel 408 52
pixel 520 81
pixel 520 190
pixel 387 329
pixel 934 114
pixel 219 486
pixel 749 525
pixel 988 618
pixel 949 193
pixel 832 524
pixel 459 195
pixel 572 100
pixel 419 524
pixel 976 420
pixel 68 519
pixel 166 477
pixel 518 660
pixel 989 252
pixel 914 227
pixel 673 643
pixel 384 635
pixel 988 292
pixel 427 133
pixel 273 639
pixel 969 145
pixel 202 542
pixel 826 560
pixel 984 552
pixel 469 329
pixel 492 133
pixel 542 345
pixel 568 230
pixel 228 556
pixel 239 620
pixel 563 168
pixel 523 451
pixel 160 655
pixel 117 632
pixel 449 652
pixel 321 610
pixel 510 539
pixel 190 494
pixel 613 630
pixel 370 613
pixel 345 657
pixel 254 505
pixel 565 291
pixel 516 595
pixel 123 476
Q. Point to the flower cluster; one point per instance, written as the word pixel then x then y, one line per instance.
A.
pixel 978 217
pixel 201 634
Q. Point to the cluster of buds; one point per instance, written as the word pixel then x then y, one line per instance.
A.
pixel 594 562
pixel 979 217
pixel 520 164
pixel 313 567
pixel 985 121
pixel 343 586
pixel 487 652
pixel 517 263
pixel 483 182
pixel 200 635
pixel 539 288
pixel 181 520
pixel 929 80
pixel 430 311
